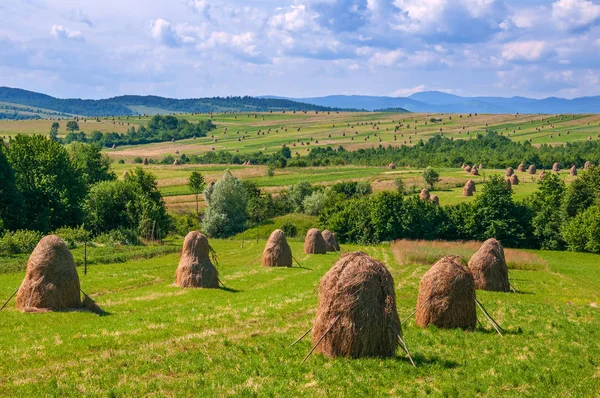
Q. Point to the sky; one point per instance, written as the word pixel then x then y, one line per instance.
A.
pixel 301 48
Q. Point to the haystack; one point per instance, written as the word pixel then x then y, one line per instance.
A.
pixel 314 242
pixel 467 169
pixel 424 195
pixel 391 166
pixel 469 188
pixel 145 161
pixel 195 266
pixel 573 171
pixel 331 242
pixel 125 175
pixel 357 315
pixel 521 167
pixel 447 296
pixel 510 172
pixel 277 251
pixel 542 175
pixel 488 267
pixel 474 171
pixel 531 169
pixel 176 162
pixel 51 281
pixel 555 167
pixel 514 180
pixel 480 165
pixel 435 200
pixel 587 165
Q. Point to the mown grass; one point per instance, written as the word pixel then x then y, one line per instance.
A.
pixel 163 341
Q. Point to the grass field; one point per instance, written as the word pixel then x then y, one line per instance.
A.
pixel 160 340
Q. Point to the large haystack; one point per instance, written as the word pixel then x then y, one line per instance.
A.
pixel 469 188
pixel 357 314
pixel 331 242
pixel 514 180
pixel 447 296
pixel 314 242
pixel 573 171
pixel 424 195
pixel 488 267
pixel 195 267
pixel 51 281
pixel 277 251
pixel 521 167
pixel 555 167
pixel 531 169
pixel 509 172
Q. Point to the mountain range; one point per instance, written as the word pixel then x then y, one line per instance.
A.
pixel 439 102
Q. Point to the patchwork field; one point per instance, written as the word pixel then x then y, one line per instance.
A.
pixel 164 341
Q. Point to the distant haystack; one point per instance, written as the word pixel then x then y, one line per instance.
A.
pixel 480 166
pixel 391 166
pixel 467 169
pixel 514 180
pixel 277 251
pixel 424 195
pixel 474 171
pixel 435 200
pixel 331 242
pixel 176 162
pixel 542 175
pixel 555 167
pixel 125 176
pixel 587 165
pixel 447 296
pixel 145 161
pixel 531 169
pixel 521 167
pixel 357 315
pixel 573 171
pixel 195 266
pixel 469 188
pixel 51 282
pixel 488 267
pixel 314 242
pixel 509 172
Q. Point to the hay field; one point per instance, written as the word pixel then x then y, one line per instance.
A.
pixel 163 341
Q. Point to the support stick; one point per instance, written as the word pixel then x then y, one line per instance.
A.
pixel 405 347
pixel 297 262
pixel 414 312
pixel 321 339
pixel 303 336
pixel 492 321
pixel 251 260
pixel 10 298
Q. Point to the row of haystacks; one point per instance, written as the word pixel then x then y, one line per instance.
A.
pixel 426 196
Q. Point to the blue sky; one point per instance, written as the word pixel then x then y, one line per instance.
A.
pixel 300 48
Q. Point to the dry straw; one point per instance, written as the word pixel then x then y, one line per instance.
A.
pixel 424 195
pixel 314 242
pixel 469 188
pixel 488 266
pixel 195 266
pixel 331 242
pixel 277 252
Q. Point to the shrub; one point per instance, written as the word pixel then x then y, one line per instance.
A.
pixel 72 235
pixel 21 241
pixel 314 203
pixel 116 237
pixel 289 229
pixel 226 207
pixel 184 223
pixel 582 233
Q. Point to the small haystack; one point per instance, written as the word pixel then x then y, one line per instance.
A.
pixel 314 242
pixel 467 169
pixel 469 188
pixel 480 165
pixel 331 242
pixel 510 172
pixel 573 171
pixel 514 180
pixel 195 266
pixel 531 169
pixel 145 161
pixel 51 281
pixel 521 167
pixel 435 200
pixel 357 315
pixel 542 175
pixel 277 251
pixel 391 166
pixel 555 167
pixel 474 171
pixel 125 176
pixel 488 267
pixel 587 165
pixel 447 296
pixel 424 195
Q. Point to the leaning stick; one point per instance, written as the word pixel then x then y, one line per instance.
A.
pixel 321 339
pixel 10 298
pixel 415 311
pixel 222 284
pixel 297 261
pixel 303 336
pixel 252 260
pixel 492 321
pixel 405 347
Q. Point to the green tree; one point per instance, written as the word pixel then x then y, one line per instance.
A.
pixel 582 233
pixel 54 131
pixel 52 188
pixel 90 162
pixel 430 176
pixel 399 183
pixel 297 193
pixel 10 197
pixel 72 126
pixel 583 192
pixel 314 203
pixel 546 204
pixel 197 185
pixel 226 207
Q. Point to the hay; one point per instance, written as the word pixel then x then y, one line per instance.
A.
pixel 521 167
pixel 446 296
pixel 357 315
pixel 488 267
pixel 277 252
pixel 467 169
pixel 125 176
pixel 145 161
pixel 314 242
pixel 424 195
pixel 474 171
pixel 587 165
pixel 573 171
pixel 510 172
pixel 555 167
pixel 435 200
pixel 51 280
pixel 514 180
pixel 391 166
pixel 331 242
pixel 531 169
pixel 176 162
pixel 542 175
pixel 195 266
pixel 469 188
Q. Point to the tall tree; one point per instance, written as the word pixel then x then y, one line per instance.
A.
pixel 91 163
pixel 226 207
pixel 430 176
pixel 196 184
pixel 546 204
pixel 72 126
pixel 10 197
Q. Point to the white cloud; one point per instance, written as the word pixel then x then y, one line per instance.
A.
pixel 405 92
pixel 62 33
pixel 387 58
pixel 524 50
pixel 575 14
pixel 162 31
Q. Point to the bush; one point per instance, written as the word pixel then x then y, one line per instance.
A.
pixel 226 207
pixel 72 235
pixel 314 203
pixel 21 241
pixel 116 237
pixel 582 233
pixel 289 229
pixel 184 223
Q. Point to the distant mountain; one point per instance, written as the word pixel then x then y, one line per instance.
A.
pixel 136 104
pixel 438 102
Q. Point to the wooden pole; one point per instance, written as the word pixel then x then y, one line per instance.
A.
pixel 13 295
pixel 85 256
pixel 321 339
pixel 303 336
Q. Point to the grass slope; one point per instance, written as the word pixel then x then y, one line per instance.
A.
pixel 165 341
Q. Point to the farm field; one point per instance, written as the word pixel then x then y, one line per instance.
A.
pixel 161 340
